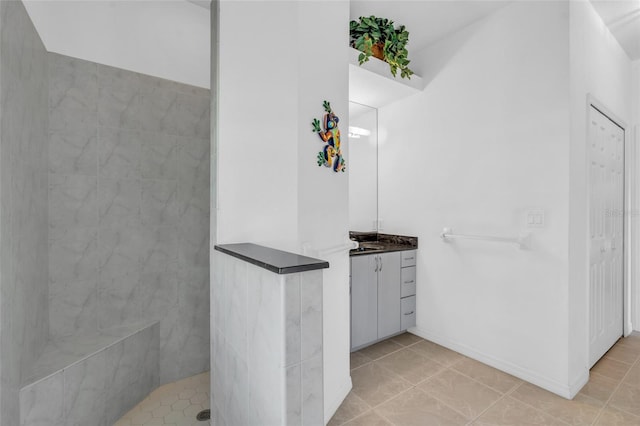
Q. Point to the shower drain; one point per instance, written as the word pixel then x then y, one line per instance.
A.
pixel 203 415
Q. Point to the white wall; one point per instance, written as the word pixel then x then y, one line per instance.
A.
pixel 599 68
pixel 168 39
pixel 486 141
pixel 270 188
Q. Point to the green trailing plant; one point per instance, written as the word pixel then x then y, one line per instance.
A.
pixel 374 36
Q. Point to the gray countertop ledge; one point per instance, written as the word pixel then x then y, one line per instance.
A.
pixel 277 261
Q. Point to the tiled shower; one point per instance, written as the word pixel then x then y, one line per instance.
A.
pixel 104 221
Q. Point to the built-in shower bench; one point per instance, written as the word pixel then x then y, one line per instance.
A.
pixel 92 379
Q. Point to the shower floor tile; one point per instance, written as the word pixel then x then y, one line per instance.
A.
pixel 173 404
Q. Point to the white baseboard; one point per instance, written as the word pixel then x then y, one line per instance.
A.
pixel 333 402
pixel 562 389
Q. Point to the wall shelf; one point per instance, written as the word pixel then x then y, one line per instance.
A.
pixel 372 83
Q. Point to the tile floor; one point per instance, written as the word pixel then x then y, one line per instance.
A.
pixel 405 381
pixel 175 404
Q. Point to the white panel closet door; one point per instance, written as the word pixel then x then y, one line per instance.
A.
pixel 606 204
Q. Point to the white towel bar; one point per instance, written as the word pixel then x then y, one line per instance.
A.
pixel 523 241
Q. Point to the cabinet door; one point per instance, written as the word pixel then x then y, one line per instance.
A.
pixel 388 294
pixel 364 300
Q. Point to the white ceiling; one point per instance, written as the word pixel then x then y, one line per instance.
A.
pixel 623 19
pixel 168 39
pixel 427 20
pixel 431 20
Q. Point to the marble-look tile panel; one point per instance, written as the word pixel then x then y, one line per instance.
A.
pixel 119 109
pixel 117 79
pixel 219 289
pixel 119 301
pixel 311 314
pixel 194 306
pixel 158 251
pixel 73 254
pixel 193 159
pixel 72 307
pixel 293 343
pixel 193 204
pixel 42 404
pixel 293 385
pixel 171 346
pixel 73 92
pixel 119 202
pixel 192 115
pixel 237 397
pixel 85 392
pixel 159 202
pixel 72 201
pixel 159 159
pixel 193 246
pixel 237 293
pixel 159 294
pixel 73 151
pixel 158 111
pixel 312 391
pixel 119 250
pixel 219 383
pixel 119 153
pixel 265 339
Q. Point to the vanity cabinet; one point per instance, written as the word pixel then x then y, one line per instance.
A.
pixel 383 288
pixel 364 300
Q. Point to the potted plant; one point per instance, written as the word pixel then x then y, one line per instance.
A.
pixel 379 37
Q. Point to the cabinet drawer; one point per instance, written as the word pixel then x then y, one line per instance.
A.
pixel 408 281
pixel 408 258
pixel 407 312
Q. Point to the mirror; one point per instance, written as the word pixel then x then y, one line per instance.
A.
pixel 363 168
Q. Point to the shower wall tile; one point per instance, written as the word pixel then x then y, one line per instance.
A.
pixel 159 202
pixel 24 91
pixel 119 301
pixel 119 108
pixel 158 252
pixel 85 391
pixel 157 111
pixel 119 153
pixel 72 151
pixel 159 294
pixel 119 250
pixel 193 159
pixel 192 116
pixel 73 254
pixel 73 92
pixel 42 404
pixel 133 169
pixel 117 79
pixel 119 202
pixel 72 201
pixel 193 246
pixel 72 307
pixel 159 156
pixel 171 345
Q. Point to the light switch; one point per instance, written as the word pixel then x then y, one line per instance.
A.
pixel 535 218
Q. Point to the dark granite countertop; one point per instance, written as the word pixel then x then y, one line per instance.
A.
pixel 278 261
pixel 374 243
